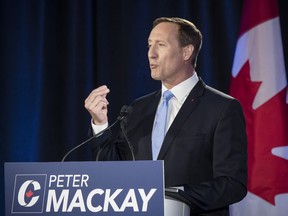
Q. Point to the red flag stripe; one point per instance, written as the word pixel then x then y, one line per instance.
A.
pixel 256 12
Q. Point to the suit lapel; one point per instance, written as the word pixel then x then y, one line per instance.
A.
pixel 145 144
pixel 184 113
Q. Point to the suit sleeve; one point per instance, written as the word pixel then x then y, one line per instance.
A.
pixel 103 148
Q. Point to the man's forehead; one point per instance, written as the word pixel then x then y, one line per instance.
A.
pixel 164 31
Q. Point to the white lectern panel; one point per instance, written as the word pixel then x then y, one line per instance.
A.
pixel 173 207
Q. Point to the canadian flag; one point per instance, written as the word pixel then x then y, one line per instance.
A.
pixel 259 83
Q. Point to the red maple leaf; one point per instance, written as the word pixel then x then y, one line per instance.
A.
pixel 267 128
pixel 29 194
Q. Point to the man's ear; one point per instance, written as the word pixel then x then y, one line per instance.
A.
pixel 187 52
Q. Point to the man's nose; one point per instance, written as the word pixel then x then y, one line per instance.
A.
pixel 152 52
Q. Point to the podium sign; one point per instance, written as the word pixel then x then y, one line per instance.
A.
pixel 85 188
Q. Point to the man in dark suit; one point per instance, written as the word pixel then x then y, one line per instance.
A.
pixel 204 149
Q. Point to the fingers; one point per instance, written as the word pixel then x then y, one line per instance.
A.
pixel 101 91
pixel 96 103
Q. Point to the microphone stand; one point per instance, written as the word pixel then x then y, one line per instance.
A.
pixel 123 113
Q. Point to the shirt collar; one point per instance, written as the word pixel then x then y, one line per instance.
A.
pixel 182 90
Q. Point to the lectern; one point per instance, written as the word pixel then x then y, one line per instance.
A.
pixel 89 188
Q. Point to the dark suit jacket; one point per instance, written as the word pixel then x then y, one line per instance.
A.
pixel 204 150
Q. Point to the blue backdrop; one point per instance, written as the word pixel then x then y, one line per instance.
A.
pixel 54 52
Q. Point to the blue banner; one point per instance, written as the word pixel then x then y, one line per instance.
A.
pixel 119 188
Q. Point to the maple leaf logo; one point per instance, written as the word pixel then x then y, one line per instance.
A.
pixel 29 194
pixel 267 127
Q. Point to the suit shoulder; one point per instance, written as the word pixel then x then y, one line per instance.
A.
pixel 216 97
pixel 147 97
pixel 202 89
pixel 146 104
pixel 216 93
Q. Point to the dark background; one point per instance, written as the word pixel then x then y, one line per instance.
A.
pixel 54 52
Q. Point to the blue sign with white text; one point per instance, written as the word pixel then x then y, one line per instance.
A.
pixel 85 188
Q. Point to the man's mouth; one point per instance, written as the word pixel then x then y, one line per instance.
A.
pixel 153 66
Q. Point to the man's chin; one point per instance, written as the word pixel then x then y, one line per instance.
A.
pixel 155 76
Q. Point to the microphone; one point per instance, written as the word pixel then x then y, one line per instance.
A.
pixel 125 110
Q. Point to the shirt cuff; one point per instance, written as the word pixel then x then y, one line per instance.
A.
pixel 98 128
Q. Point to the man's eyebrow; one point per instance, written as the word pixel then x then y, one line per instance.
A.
pixel 156 41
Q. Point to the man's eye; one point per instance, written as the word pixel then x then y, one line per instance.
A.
pixel 161 44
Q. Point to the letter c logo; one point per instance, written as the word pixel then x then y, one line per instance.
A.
pixel 22 193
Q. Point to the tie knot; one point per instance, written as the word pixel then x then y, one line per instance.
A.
pixel 167 95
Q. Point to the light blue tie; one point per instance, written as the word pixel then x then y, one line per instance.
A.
pixel 159 129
